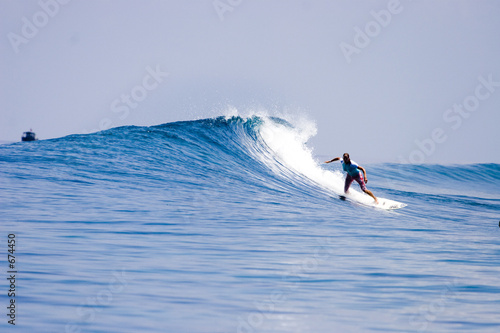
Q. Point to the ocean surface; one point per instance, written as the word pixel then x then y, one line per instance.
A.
pixel 232 224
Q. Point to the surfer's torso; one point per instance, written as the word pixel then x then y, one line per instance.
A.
pixel 351 169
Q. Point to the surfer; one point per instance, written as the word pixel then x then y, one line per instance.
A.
pixel 352 169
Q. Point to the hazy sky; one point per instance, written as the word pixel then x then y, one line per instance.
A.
pixel 384 80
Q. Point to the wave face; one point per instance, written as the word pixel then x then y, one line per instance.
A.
pixel 231 156
pixel 226 154
pixel 218 214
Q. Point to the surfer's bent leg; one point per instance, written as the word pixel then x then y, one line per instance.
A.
pixel 348 181
pixel 361 182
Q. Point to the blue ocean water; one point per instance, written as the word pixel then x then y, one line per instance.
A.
pixel 231 224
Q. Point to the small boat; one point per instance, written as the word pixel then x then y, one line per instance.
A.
pixel 29 136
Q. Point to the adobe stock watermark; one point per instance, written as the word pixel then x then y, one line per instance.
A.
pixel 31 27
pixel 223 6
pixel 121 106
pixel 88 310
pixel 428 313
pixel 363 37
pixel 264 309
pixel 453 116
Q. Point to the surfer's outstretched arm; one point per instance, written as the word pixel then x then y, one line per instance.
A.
pixel 333 160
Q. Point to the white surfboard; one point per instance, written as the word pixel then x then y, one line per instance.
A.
pixel 383 203
pixel 388 204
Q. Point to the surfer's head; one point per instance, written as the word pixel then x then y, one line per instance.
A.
pixel 346 158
